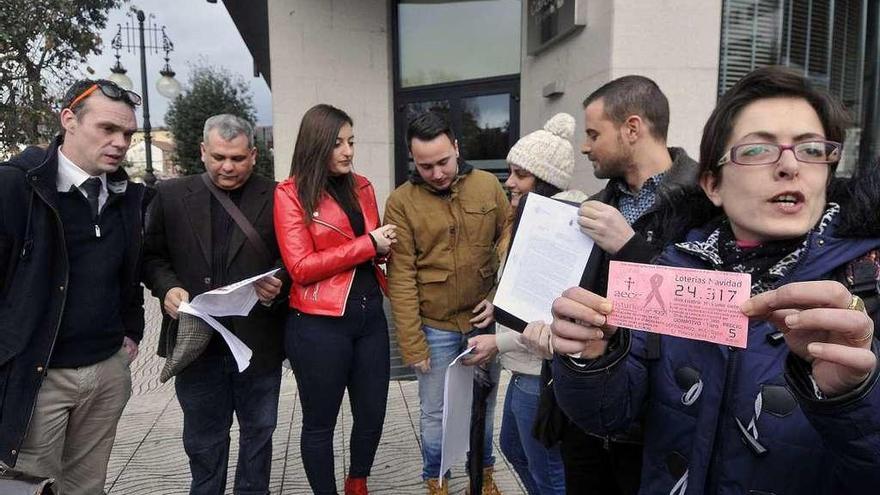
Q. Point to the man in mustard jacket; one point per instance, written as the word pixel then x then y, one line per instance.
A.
pixel 452 224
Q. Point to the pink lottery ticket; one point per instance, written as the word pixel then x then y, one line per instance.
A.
pixel 682 302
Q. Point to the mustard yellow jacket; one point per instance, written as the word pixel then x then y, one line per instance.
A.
pixel 446 256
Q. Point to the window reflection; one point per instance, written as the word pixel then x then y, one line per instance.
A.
pixel 446 41
pixel 484 137
pixel 414 109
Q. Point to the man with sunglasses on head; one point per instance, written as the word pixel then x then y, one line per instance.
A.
pixel 71 304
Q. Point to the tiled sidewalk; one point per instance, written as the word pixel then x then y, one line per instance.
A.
pixel 148 455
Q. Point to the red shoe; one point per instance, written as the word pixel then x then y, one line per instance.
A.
pixel 356 486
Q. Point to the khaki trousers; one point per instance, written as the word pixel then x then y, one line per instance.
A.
pixel 74 424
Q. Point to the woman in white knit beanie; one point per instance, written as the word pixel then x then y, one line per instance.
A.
pixel 541 162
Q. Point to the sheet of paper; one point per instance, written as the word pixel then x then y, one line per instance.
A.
pixel 240 351
pixel 682 302
pixel 458 396
pixel 548 255
pixel 230 300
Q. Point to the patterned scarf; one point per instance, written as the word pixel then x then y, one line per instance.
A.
pixel 768 263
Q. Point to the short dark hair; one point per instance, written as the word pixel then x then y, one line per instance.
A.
pixel 634 95
pixel 762 83
pixel 428 126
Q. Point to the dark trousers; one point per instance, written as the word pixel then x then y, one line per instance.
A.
pixel 329 355
pixel 591 467
pixel 209 391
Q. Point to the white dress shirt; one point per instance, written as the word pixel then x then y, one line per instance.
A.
pixel 69 174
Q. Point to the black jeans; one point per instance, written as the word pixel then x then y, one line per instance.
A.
pixel 592 467
pixel 331 354
pixel 209 391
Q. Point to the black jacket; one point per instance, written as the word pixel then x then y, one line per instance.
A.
pixel 178 253
pixel 678 191
pixel 33 280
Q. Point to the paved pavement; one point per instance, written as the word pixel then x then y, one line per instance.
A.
pixel 148 455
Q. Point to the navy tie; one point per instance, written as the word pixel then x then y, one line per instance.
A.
pixel 93 190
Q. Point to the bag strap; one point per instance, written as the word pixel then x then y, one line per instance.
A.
pixel 243 223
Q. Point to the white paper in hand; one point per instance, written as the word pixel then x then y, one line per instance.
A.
pixel 231 300
pixel 548 255
pixel 458 396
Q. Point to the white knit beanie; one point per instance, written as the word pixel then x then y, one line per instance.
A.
pixel 547 153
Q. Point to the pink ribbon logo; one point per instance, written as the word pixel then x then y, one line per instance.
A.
pixel 656 282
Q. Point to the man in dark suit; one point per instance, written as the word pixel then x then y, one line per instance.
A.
pixel 193 245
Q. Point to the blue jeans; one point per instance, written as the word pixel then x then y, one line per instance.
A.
pixel 444 346
pixel 540 469
pixel 209 391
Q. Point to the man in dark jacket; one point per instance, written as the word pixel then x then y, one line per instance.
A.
pixel 626 123
pixel 194 245
pixel 71 304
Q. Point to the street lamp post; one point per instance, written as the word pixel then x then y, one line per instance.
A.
pixel 167 85
pixel 149 178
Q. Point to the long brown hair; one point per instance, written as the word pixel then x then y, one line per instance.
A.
pixel 314 147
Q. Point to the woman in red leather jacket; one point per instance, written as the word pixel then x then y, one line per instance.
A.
pixel 327 225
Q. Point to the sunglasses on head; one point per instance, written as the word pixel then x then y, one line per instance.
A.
pixel 111 91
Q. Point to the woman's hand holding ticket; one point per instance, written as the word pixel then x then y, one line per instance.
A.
pixel 580 323
pixel 823 326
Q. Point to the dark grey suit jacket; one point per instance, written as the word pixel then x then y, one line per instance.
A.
pixel 177 253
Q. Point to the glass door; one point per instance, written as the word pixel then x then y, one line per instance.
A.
pixel 485 125
pixel 460 58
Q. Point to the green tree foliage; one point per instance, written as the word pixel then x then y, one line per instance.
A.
pixel 44 45
pixel 210 91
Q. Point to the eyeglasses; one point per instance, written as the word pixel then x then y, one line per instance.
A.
pixel 111 91
pixel 767 153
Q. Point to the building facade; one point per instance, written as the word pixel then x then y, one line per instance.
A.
pixel 500 68
pixel 162 153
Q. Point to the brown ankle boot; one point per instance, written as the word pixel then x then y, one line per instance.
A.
pixel 434 487
pixel 489 486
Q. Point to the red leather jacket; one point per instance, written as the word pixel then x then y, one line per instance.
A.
pixel 321 255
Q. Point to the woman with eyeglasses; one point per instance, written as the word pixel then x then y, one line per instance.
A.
pixel 798 410
pixel 332 242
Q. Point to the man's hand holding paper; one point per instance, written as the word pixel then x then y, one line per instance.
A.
pixel 233 300
pixel 605 225
pixel 267 288
pixel 173 298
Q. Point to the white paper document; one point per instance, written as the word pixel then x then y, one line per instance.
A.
pixel 548 255
pixel 231 300
pixel 458 395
